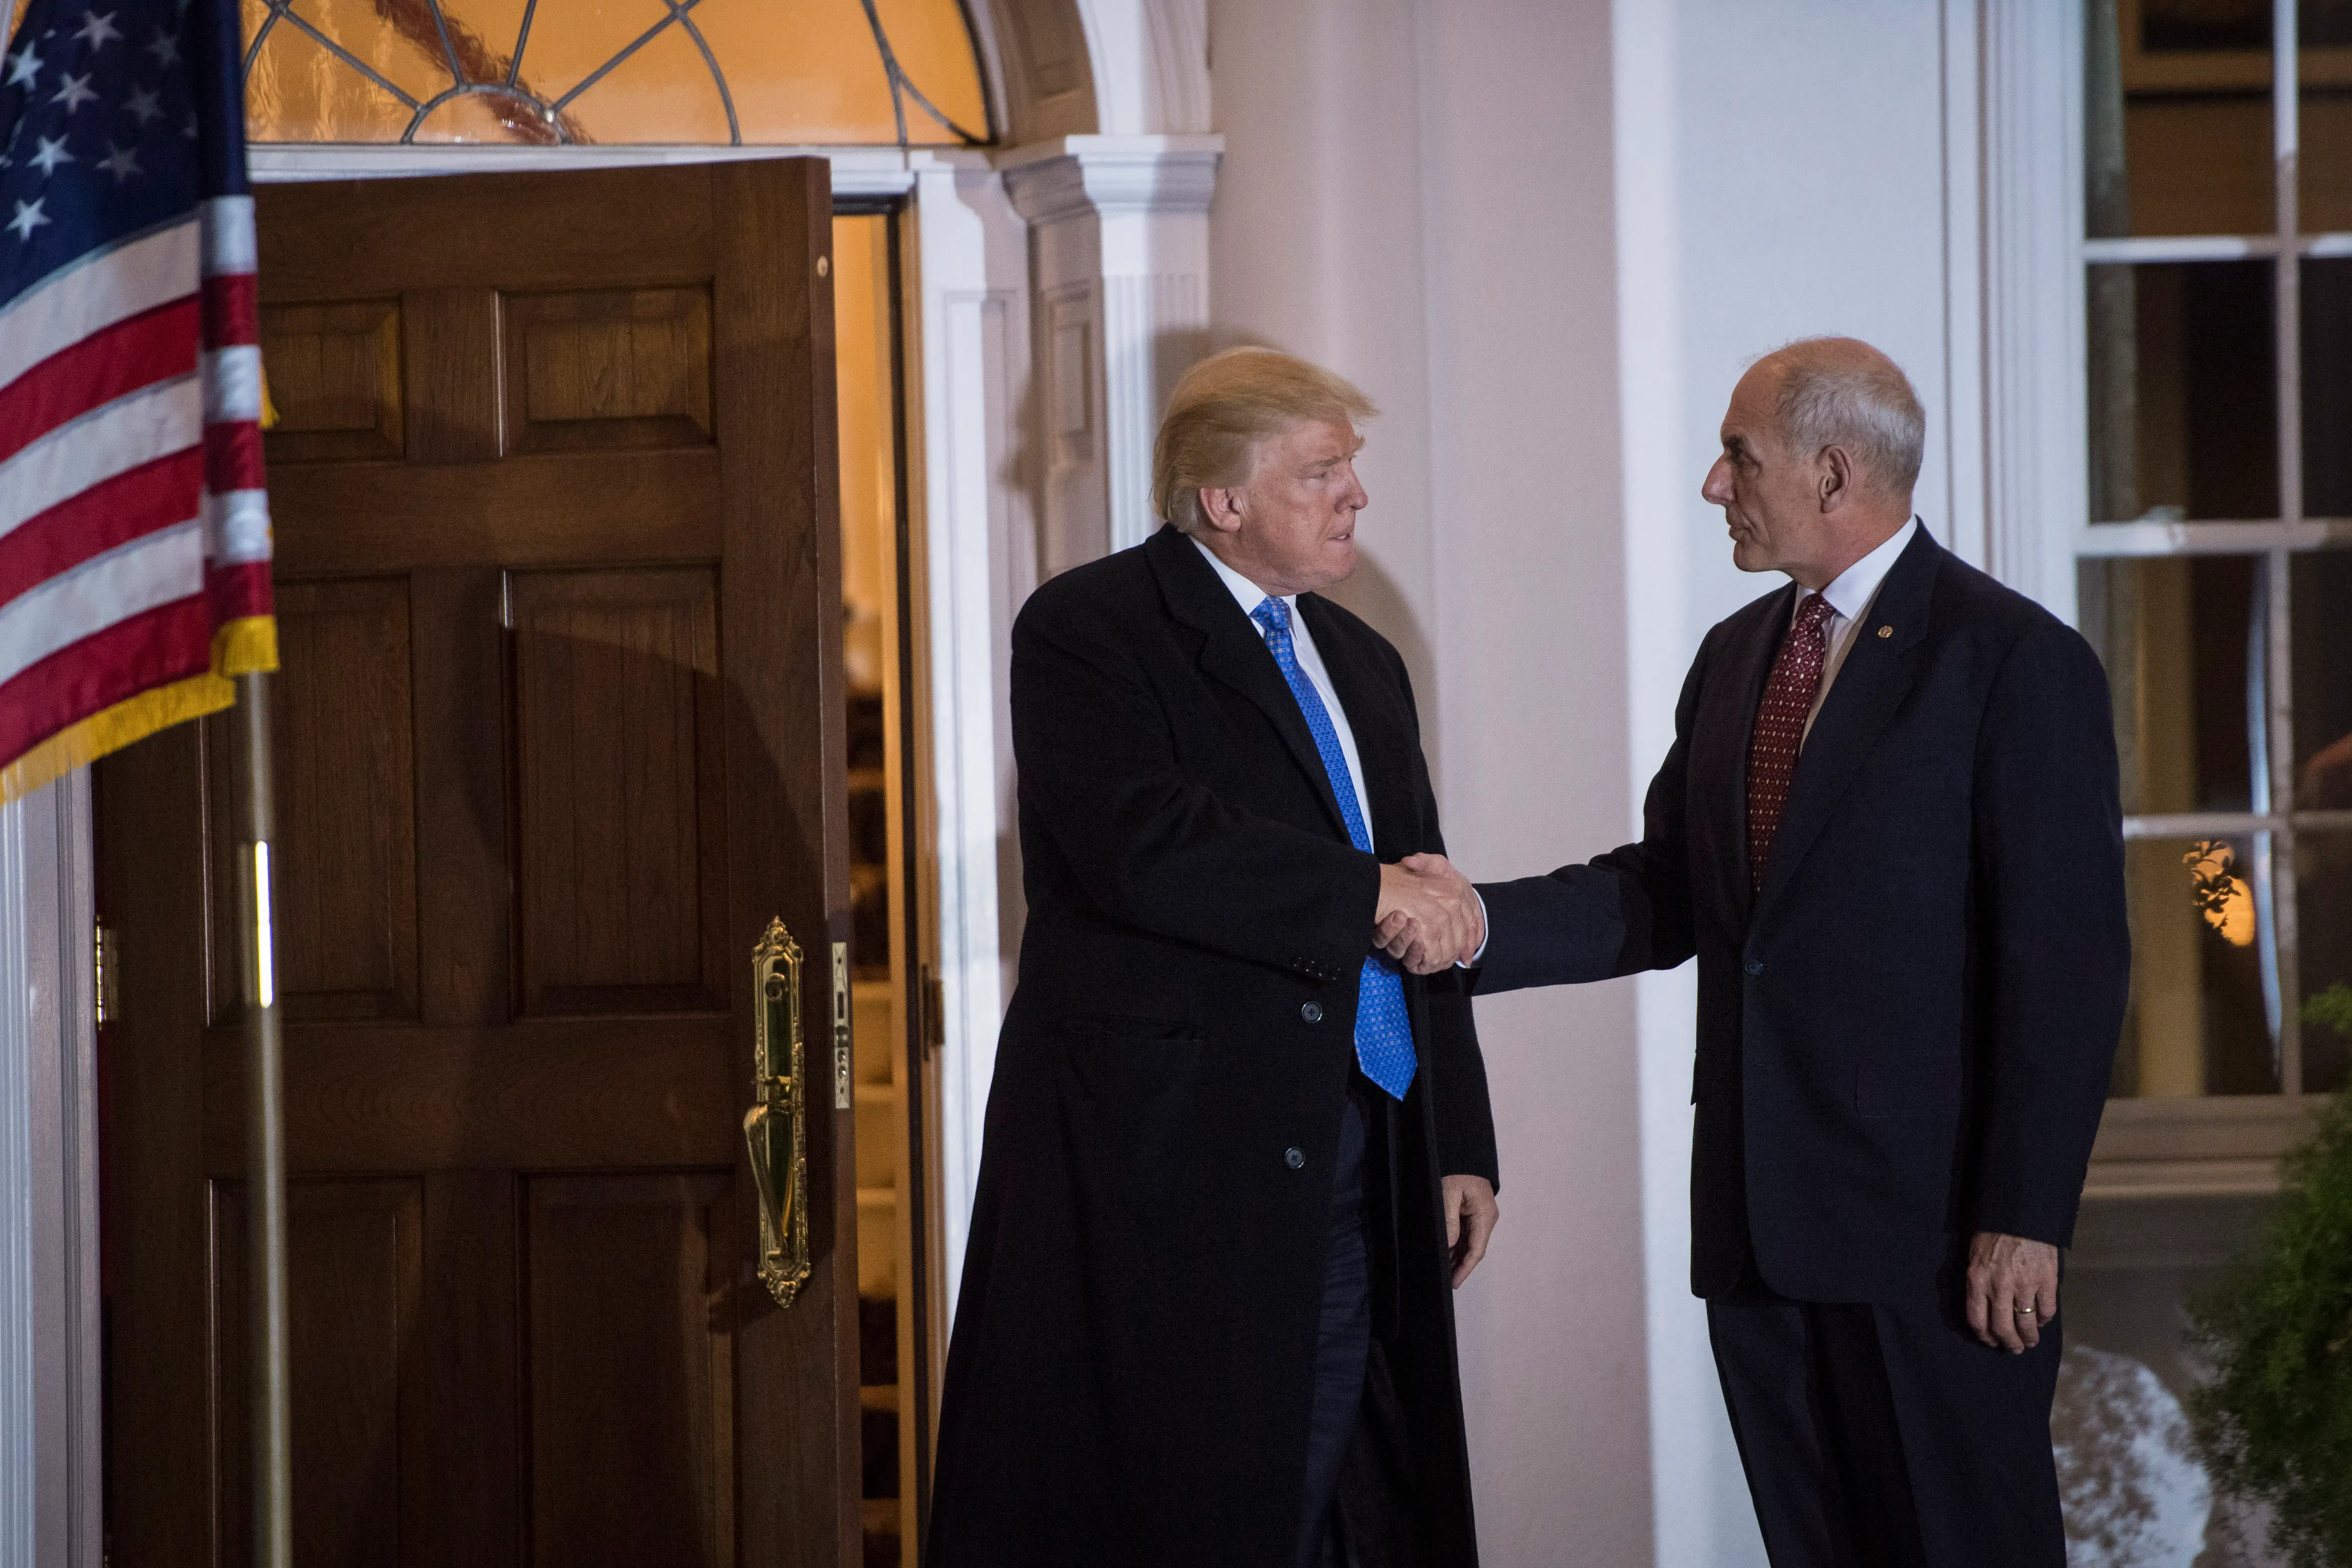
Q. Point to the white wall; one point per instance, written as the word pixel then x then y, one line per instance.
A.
pixel 1419 195
pixel 1546 235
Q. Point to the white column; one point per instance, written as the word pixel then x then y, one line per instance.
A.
pixel 2036 395
pixel 50 1442
pixel 1119 249
pixel 972 338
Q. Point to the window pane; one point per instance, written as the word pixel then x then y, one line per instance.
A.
pixel 2196 1023
pixel 2184 407
pixel 2324 164
pixel 2326 323
pixel 2323 680
pixel 2177 123
pixel 2174 633
pixel 2324 919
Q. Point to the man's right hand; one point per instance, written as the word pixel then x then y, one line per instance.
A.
pixel 1428 916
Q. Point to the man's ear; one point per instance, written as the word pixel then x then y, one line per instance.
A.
pixel 1834 477
pixel 1221 509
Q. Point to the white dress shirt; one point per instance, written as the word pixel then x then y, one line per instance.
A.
pixel 1850 596
pixel 1249 595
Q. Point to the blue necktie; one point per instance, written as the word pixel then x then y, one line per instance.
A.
pixel 1383 1030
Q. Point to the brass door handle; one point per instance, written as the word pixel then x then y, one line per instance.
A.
pixel 776 1125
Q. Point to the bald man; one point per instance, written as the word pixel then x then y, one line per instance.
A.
pixel 1888 830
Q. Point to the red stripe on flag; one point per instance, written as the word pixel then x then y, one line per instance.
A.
pixel 136 654
pixel 239 590
pixel 114 511
pixel 153 346
pixel 232 310
pixel 232 456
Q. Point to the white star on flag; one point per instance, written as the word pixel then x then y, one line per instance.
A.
pixel 28 218
pixel 49 154
pixel 121 162
pixel 24 65
pixel 96 29
pixel 165 48
pixel 75 93
pixel 142 105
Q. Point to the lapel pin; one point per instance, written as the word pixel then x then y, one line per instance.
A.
pixel 1886 631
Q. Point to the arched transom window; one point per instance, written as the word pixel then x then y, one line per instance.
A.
pixel 545 72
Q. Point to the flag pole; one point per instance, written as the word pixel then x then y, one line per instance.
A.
pixel 266 1128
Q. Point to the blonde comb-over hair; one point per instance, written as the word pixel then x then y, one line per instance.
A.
pixel 1223 408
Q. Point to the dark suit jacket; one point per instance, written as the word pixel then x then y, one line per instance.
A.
pixel 1907 1036
pixel 1129 1377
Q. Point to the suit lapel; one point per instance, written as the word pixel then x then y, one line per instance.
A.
pixel 1718 761
pixel 1378 722
pixel 1233 651
pixel 1871 684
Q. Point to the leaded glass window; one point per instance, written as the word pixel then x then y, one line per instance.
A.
pixel 789 72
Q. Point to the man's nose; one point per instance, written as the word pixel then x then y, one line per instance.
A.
pixel 1717 486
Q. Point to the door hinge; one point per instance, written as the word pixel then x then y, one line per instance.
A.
pixel 105 965
pixel 935 1012
pixel 841 1025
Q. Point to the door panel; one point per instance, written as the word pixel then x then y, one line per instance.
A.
pixel 347 818
pixel 559 733
pixel 624 853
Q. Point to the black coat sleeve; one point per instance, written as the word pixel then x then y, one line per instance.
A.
pixel 2052 931
pixel 1457 1070
pixel 1152 848
pixel 1627 912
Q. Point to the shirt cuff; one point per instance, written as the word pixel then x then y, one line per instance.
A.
pixel 1486 934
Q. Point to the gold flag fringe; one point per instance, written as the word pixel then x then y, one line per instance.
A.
pixel 239 647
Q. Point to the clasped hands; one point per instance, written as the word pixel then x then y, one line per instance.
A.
pixel 1429 918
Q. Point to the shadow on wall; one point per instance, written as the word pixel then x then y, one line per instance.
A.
pixel 2135 1494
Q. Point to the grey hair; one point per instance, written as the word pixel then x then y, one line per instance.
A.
pixel 1841 392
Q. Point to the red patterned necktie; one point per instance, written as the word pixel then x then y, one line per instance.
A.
pixel 1780 729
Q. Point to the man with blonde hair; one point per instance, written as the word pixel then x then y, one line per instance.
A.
pixel 1235 1156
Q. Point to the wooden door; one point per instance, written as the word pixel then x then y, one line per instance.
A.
pixel 560 731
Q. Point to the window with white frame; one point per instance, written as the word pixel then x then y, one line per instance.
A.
pixel 2215 573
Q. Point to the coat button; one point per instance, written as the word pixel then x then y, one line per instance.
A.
pixel 1294 1158
pixel 1312 1012
pixel 1754 966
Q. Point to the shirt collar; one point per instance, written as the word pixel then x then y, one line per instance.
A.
pixel 1851 593
pixel 1246 593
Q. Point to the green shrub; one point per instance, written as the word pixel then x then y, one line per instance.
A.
pixel 2275 1423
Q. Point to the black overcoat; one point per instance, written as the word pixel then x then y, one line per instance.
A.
pixel 1130 1374
pixel 1906 1036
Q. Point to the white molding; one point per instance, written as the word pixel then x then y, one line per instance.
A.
pixel 858 172
pixel 50 1447
pixel 1963 527
pixel 972 332
pixel 2036 426
pixel 1150 64
pixel 1120 258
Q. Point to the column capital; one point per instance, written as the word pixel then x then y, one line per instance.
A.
pixel 1107 175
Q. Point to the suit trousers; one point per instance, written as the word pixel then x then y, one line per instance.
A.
pixel 1879 1435
pixel 1344 1338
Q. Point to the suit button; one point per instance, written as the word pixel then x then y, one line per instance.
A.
pixel 1754 966
pixel 1294 1158
pixel 1313 1012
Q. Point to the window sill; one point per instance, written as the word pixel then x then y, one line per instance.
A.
pixel 2221 1146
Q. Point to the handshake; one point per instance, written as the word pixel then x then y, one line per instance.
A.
pixel 1429 917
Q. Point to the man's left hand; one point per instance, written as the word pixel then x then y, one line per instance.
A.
pixel 2013 1289
pixel 1471 1214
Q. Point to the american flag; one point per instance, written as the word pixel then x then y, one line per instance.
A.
pixel 134 528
